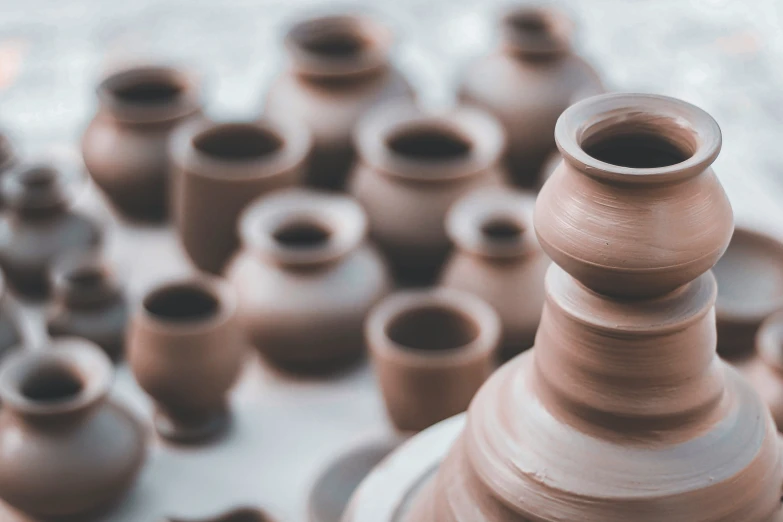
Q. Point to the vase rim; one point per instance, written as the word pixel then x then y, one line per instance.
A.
pixel 82 279
pixel 536 31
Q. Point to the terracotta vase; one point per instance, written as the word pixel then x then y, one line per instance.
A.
pixel 498 258
pixel 235 515
pixel 186 351
pixel 528 82
pixel 622 410
pixel 66 451
pixel 338 68
pixel 88 303
pixel 40 227
pixel 125 146
pixel 413 167
pixel 220 168
pixel 765 370
pixel 306 279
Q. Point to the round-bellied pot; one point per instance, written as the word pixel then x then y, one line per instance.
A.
pixel 245 514
pixel 185 350
pixel 306 279
pixel 125 146
pixel 66 451
pixel 498 258
pixel 528 82
pixel 40 227
pixel 413 166
pixel 431 350
pixel 338 68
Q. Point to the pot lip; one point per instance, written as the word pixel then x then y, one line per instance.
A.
pixel 584 118
pixel 555 39
pixel 769 340
pixel 51 194
pixel 482 131
pixel 457 301
pixel 65 291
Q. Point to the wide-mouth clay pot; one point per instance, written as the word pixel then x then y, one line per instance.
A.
pixel 245 514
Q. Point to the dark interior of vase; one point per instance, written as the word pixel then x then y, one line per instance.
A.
pixel 238 142
pixel 84 277
pixel 502 230
pixel 52 382
pixel 182 303
pixel 433 329
pixel 302 234
pixel 147 90
pixel 38 177
pixel 429 143
pixel 636 149
pixel 529 23
pixel 332 39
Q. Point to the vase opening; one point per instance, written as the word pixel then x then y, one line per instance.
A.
pixel 51 382
pixel 339 41
pixel 182 303
pixel 85 277
pixel 529 22
pixel 147 91
pixel 536 32
pixel 433 329
pixel 237 142
pixel 302 234
pixel 638 150
pixel 502 230
pixel 38 177
pixel 430 143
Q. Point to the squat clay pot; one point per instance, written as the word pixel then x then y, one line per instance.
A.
pixel 125 146
pixel 413 167
pixel 235 515
pixel 185 350
pixel 220 168
pixel 306 279
pixel 66 451
pixel 40 227
pixel 432 350
pixel 338 68
pixel 499 259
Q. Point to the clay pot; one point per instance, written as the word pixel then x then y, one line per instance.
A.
pixel 528 82
pixel 432 350
pixel 88 303
pixel 338 68
pixel 765 371
pixel 40 227
pixel 66 451
pixel 499 259
pixel 235 515
pixel 306 279
pixel 125 146
pixel 413 167
pixel 185 350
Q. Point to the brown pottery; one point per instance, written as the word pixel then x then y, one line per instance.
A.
pixel 765 371
pixel 338 68
pixel 306 279
pixel 220 168
pixel 498 258
pixel 235 515
pixel 66 451
pixel 185 350
pixel 413 166
pixel 125 146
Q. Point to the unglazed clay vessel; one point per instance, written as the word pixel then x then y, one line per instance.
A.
pixel 235 515
pixel 185 350
pixel 765 371
pixel 306 279
pixel 88 303
pixel 66 451
pixel 39 227
pixel 498 258
pixel 431 350
pixel 338 68
pixel 125 146
pixel 220 168
pixel 413 167
pixel 622 410
pixel 528 82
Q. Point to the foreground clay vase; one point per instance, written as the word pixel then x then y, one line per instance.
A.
pixel 40 227
pixel 306 279
pixel 185 350
pixel 66 451
pixel 88 303
pixel 413 167
pixel 431 350
pixel 235 515
pixel 527 83
pixel 338 69
pixel 125 146
pixel 622 410
pixel 498 258
pixel 765 370
pixel 220 168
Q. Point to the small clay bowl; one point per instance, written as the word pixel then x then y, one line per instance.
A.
pixel 243 514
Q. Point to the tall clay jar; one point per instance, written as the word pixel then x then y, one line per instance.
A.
pixel 306 279
pixel 498 258
pixel 527 82
pixel 186 351
pixel 125 146
pixel 338 68
pixel 413 166
pixel 220 168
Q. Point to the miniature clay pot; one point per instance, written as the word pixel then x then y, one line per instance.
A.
pixel 40 227
pixel 432 350
pixel 527 83
pixel 309 247
pixel 338 68
pixel 125 146
pixel 765 371
pixel 88 303
pixel 66 451
pixel 413 167
pixel 220 168
pixel 235 515
pixel 186 351
pixel 498 258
